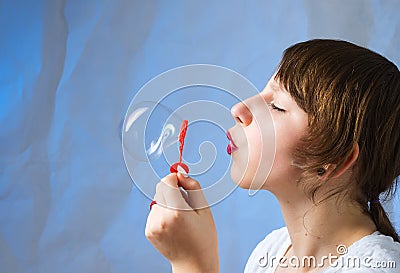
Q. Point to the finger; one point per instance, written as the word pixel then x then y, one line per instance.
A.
pixel 172 194
pixel 153 218
pixel 195 194
pixel 158 197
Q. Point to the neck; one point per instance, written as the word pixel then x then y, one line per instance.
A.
pixel 317 230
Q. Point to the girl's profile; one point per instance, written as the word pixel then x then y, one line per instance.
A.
pixel 335 108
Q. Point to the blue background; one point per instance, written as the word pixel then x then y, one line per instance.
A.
pixel 68 70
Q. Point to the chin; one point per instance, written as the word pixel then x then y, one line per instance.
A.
pixel 244 185
pixel 248 178
pixel 243 181
pixel 238 178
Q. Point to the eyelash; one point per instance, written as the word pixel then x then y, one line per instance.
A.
pixel 274 107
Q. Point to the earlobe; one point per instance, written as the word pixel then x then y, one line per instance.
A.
pixel 349 161
pixel 325 171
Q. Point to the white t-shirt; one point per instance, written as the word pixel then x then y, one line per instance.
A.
pixel 373 253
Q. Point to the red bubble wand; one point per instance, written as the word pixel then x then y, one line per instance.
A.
pixel 181 139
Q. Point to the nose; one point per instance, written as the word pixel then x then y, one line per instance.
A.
pixel 242 114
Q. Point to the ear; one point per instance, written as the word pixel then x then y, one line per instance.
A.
pixel 349 162
pixel 336 170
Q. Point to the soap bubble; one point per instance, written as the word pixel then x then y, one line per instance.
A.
pixel 147 143
pixel 202 94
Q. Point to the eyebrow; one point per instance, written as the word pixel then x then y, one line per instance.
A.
pixel 279 92
pixel 275 88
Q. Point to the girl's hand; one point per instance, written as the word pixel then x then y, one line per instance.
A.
pixel 185 236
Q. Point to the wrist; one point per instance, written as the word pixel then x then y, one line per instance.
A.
pixel 188 267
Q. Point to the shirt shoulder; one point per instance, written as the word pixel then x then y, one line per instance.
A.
pixel 376 244
pixel 372 253
pixel 267 252
pixel 274 240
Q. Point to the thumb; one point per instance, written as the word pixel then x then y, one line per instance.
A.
pixel 196 198
pixel 186 182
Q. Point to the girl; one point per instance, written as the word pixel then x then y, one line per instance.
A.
pixel 336 112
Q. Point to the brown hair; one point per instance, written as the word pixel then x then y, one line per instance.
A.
pixel 351 95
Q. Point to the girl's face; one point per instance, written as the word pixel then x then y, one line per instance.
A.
pixel 253 136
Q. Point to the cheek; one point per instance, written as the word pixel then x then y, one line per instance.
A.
pixel 253 163
pixel 244 160
pixel 288 139
pixel 240 167
pixel 262 154
pixel 284 169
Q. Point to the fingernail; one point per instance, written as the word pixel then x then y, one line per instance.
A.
pixel 182 171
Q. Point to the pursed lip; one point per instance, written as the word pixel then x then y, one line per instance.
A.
pixel 231 146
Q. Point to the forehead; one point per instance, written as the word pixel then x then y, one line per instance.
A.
pixel 275 91
pixel 275 87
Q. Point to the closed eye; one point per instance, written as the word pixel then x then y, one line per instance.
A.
pixel 274 107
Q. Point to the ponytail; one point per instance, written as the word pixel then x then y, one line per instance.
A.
pixel 381 220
